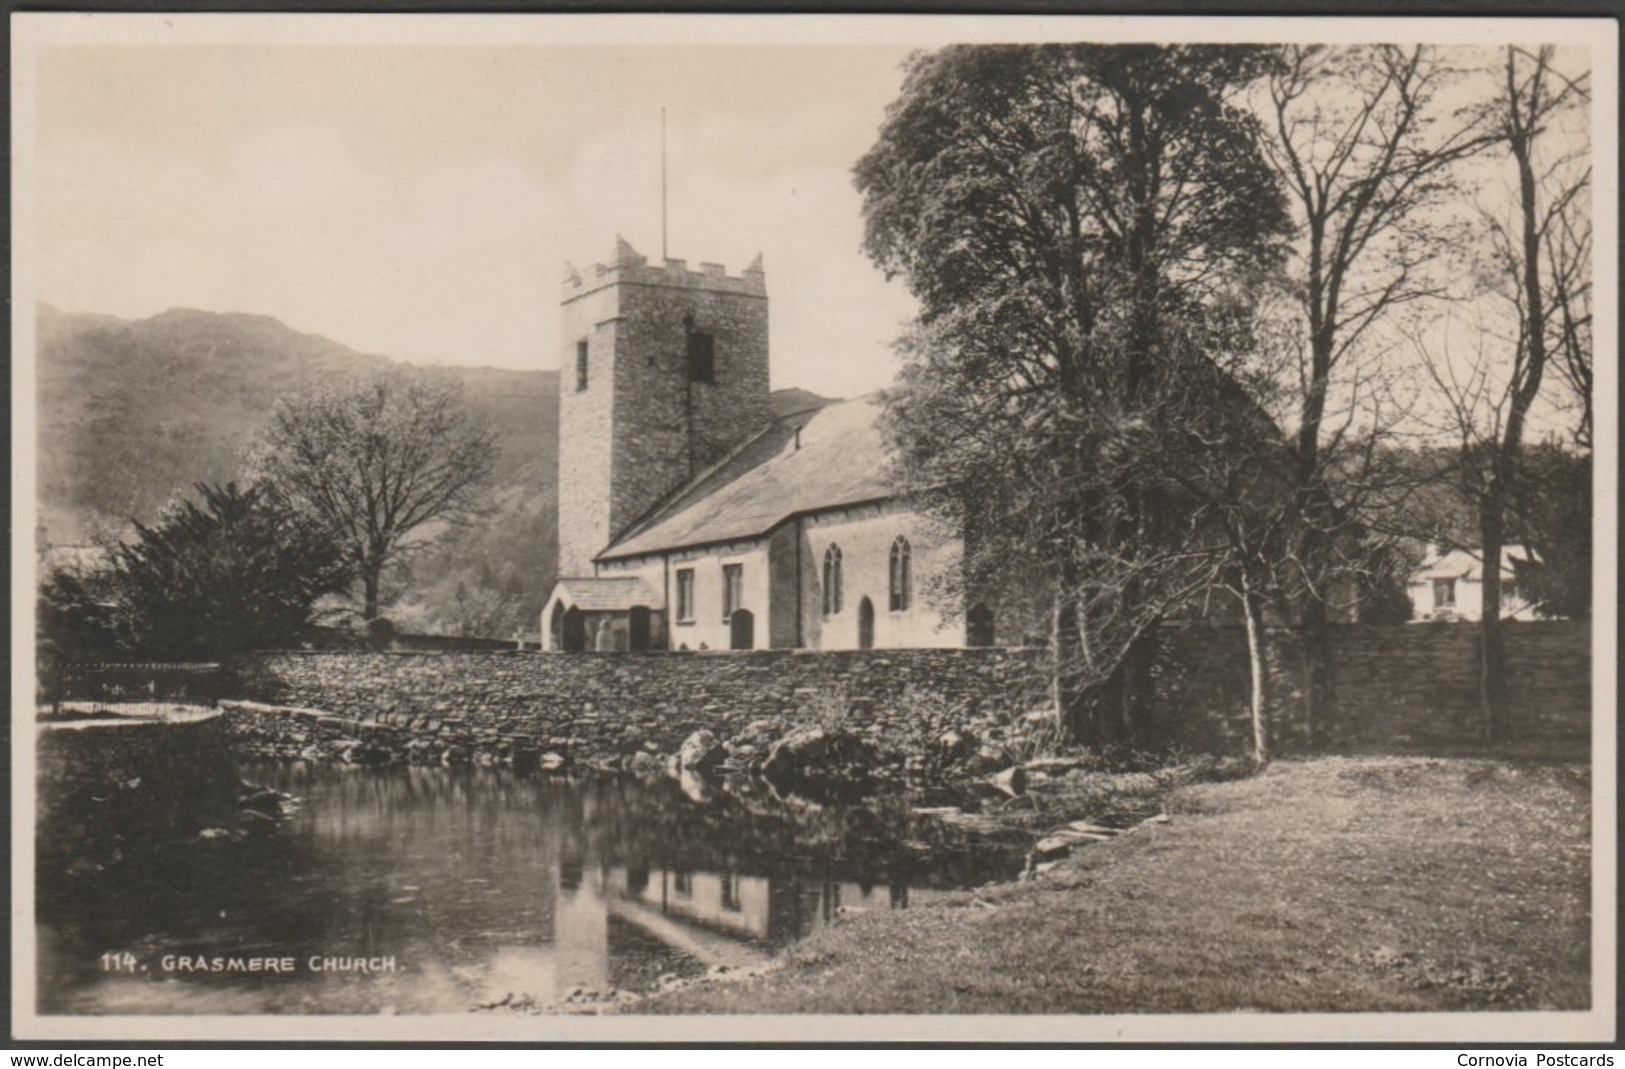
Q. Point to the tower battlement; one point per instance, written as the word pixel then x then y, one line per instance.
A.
pixel 633 268
pixel 665 371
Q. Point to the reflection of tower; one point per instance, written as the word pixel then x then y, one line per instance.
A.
pixel 581 929
pixel 663 372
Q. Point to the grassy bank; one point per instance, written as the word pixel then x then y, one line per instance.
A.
pixel 1338 884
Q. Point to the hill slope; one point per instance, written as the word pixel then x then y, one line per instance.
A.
pixel 132 412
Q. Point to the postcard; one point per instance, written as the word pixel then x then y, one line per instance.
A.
pixel 605 527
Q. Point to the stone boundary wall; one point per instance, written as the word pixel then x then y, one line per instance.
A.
pixel 1394 684
pixel 1391 685
pixel 598 706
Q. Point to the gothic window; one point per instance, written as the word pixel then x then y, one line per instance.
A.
pixel 685 595
pixel 832 580
pixel 581 365
pixel 900 582
pixel 733 589
pixel 702 360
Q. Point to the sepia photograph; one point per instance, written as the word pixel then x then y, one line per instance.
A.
pixel 813 528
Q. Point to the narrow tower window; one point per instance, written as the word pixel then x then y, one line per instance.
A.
pixel 899 574
pixel 702 363
pixel 581 365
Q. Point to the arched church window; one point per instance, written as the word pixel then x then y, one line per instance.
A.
pixel 900 579
pixel 832 580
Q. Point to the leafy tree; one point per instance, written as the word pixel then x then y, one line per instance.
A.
pixel 381 462
pixel 1068 217
pixel 227 573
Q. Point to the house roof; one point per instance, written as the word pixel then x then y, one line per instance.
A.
pixel 1468 564
pixel 604 594
pixel 807 461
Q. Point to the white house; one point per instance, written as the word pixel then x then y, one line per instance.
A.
pixel 1449 584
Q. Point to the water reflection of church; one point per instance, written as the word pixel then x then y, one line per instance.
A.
pixel 607 917
pixel 774 910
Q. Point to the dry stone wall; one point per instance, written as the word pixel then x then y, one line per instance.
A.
pixel 1391 685
pixel 608 706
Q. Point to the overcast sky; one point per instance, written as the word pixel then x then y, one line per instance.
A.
pixel 413 186
pixel 421 201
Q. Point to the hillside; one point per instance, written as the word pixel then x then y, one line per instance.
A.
pixel 132 412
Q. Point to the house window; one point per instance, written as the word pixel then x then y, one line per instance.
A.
pixel 1444 594
pixel 832 580
pixel 683 883
pixel 702 356
pixel 685 595
pixel 900 581
pixel 581 365
pixel 730 892
pixel 733 589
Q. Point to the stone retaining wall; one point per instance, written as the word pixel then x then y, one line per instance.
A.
pixel 1399 684
pixel 609 705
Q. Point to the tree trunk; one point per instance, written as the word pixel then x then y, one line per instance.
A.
pixel 1316 640
pixel 1492 655
pixel 1257 660
pixel 370 575
pixel 1063 632
pixel 1136 699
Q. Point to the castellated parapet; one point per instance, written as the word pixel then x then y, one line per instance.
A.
pixel 631 267
pixel 664 371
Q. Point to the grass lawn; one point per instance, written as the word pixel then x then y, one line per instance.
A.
pixel 1325 885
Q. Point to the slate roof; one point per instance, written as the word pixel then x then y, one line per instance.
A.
pixel 1468 564
pixel 605 594
pixel 839 459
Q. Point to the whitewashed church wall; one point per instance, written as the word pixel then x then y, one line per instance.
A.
pixel 865 537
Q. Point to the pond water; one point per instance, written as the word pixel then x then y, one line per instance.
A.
pixel 436 890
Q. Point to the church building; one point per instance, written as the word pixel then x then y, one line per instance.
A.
pixel 691 517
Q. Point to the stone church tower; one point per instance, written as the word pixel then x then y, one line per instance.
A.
pixel 663 372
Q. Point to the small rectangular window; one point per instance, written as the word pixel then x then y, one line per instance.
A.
pixel 581 365
pixel 701 357
pixel 685 595
pixel 733 589
pixel 1444 593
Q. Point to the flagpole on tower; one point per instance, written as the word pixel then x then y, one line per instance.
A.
pixel 662 184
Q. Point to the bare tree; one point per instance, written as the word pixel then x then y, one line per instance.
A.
pixel 379 461
pixel 1533 315
pixel 1365 150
